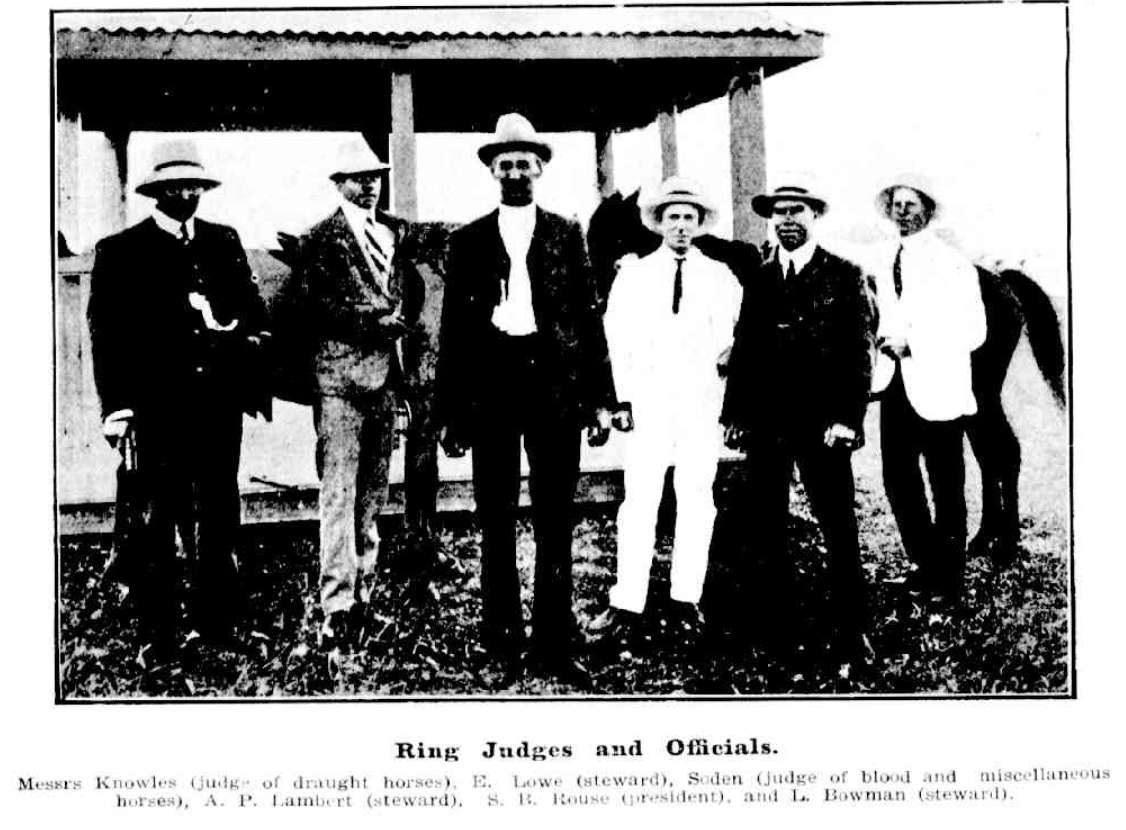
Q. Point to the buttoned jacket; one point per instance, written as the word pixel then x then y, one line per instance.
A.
pixel 569 327
pixel 942 318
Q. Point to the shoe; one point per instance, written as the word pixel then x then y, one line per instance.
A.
pixel 614 629
pixel 501 673
pixel 685 619
pixel 336 631
pixel 567 670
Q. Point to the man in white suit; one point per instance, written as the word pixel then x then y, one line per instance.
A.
pixel 931 320
pixel 670 316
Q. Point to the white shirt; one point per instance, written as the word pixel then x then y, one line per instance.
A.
pixel 169 225
pixel 940 315
pixel 357 220
pixel 799 256
pixel 514 313
pixel 664 363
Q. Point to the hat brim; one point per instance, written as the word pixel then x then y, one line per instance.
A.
pixel 490 151
pixel 154 184
pixel 763 204
pixel 344 174
pixel 649 211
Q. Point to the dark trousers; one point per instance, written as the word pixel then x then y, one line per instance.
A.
pixel 420 474
pixel 518 403
pixel 752 588
pixel 936 545
pixel 187 464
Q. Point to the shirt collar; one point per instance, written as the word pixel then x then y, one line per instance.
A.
pixel 169 225
pixel 917 239
pixel 517 213
pixel 356 215
pixel 799 256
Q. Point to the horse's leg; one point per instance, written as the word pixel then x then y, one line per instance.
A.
pixel 997 450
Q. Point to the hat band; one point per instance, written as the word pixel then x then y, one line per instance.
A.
pixel 164 165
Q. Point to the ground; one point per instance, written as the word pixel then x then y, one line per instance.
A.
pixel 1012 637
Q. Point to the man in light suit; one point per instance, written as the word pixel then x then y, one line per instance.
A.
pixel 176 332
pixel 523 355
pixel 670 317
pixel 931 320
pixel 357 288
pixel 797 390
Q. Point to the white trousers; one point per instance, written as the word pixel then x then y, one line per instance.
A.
pixel 692 443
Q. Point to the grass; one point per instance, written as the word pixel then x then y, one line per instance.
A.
pixel 1013 636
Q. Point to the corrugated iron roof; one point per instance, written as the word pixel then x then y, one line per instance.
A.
pixel 431 23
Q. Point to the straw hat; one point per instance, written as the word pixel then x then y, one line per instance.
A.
pixel 763 204
pixel 673 191
pixel 176 161
pixel 356 157
pixel 514 132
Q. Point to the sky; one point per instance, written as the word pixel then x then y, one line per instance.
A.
pixel 971 96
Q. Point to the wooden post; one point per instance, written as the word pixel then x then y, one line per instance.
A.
pixel 379 141
pixel 404 155
pixel 116 179
pixel 748 154
pixel 68 129
pixel 666 127
pixel 604 161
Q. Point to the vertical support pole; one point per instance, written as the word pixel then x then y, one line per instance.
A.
pixel 404 154
pixel 666 128
pixel 748 154
pixel 380 144
pixel 117 178
pixel 68 128
pixel 604 161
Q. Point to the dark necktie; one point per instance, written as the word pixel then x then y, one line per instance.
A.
pixel 791 272
pixel 897 272
pixel 185 238
pixel 678 285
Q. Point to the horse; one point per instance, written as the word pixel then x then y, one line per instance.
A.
pixel 1014 304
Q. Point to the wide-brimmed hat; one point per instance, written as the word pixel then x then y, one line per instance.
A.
pixel 920 184
pixel 176 161
pixel 356 157
pixel 514 132
pixel 676 190
pixel 763 204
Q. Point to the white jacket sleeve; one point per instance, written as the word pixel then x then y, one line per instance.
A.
pixel 621 336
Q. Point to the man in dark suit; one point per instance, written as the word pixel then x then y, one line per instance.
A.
pixel 797 390
pixel 357 294
pixel 523 355
pixel 176 328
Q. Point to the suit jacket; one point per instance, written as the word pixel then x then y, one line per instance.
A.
pixel 802 352
pixel 942 318
pixel 342 307
pixel 565 303
pixel 150 348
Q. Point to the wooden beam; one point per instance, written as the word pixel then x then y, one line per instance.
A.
pixel 404 151
pixel 748 155
pixel 68 129
pixel 666 128
pixel 604 161
pixel 116 179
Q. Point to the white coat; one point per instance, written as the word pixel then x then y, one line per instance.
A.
pixel 940 315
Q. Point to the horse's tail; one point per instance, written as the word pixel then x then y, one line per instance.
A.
pixel 1043 326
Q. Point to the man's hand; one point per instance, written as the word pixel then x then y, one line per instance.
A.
pixel 393 325
pixel 598 433
pixel 622 419
pixel 115 427
pixel 895 347
pixel 451 443
pixel 838 435
pixel 733 437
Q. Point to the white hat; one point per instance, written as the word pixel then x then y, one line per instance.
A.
pixel 920 184
pixel 176 161
pixel 354 157
pixel 514 132
pixel 672 191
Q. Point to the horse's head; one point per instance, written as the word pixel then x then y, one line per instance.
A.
pixel 615 230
